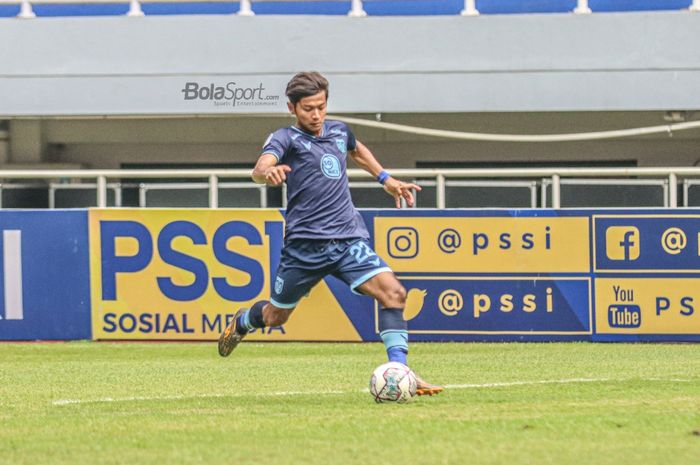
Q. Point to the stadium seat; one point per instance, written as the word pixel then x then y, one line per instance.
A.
pixel 341 8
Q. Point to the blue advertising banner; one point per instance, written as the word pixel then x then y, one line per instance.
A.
pixel 459 306
pixel 478 275
pixel 612 275
pixel 470 275
pixel 45 285
pixel 647 243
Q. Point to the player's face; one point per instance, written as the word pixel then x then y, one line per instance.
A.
pixel 310 112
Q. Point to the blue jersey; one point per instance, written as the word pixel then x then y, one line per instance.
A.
pixel 318 195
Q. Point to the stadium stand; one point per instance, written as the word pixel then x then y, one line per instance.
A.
pixel 590 79
pixel 47 8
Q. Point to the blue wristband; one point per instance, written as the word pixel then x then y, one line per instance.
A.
pixel 383 176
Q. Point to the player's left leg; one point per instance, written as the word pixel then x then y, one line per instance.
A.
pixel 393 328
pixel 368 274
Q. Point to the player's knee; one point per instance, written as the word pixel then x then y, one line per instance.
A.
pixel 395 297
pixel 401 296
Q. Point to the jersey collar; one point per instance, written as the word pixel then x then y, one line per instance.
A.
pixel 301 131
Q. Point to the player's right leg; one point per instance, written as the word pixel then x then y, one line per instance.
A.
pixel 262 314
pixel 297 273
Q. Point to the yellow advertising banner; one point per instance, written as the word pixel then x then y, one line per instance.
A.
pixel 647 305
pixel 182 274
pixel 484 244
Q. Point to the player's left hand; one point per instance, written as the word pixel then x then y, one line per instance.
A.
pixel 399 189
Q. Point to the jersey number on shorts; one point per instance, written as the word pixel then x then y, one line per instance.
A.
pixel 362 252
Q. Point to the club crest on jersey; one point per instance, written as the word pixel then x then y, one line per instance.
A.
pixel 330 166
pixel 279 285
pixel 341 145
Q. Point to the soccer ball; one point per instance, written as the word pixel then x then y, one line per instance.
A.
pixel 393 382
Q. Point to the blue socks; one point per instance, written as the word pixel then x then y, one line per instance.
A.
pixel 397 354
pixel 251 319
pixel 393 330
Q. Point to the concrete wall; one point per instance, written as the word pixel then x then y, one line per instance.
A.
pixel 532 74
pixel 217 140
pixel 509 63
pixel 4 146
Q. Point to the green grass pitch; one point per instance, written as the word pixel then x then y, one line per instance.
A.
pixel 575 403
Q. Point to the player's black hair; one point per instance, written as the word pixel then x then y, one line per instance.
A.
pixel 306 84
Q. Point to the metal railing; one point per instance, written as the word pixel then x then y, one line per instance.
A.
pixel 659 184
pixel 246 6
pixel 688 184
pixel 530 187
pixel 55 187
pixel 440 179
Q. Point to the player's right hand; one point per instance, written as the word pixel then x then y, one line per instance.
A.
pixel 276 175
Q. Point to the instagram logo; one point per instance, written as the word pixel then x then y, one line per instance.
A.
pixel 402 242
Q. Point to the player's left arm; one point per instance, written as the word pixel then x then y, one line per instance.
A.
pixel 364 158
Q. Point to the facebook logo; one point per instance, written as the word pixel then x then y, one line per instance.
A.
pixel 622 243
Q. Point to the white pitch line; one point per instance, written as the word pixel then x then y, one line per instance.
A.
pixel 560 381
pixel 196 396
pixel 530 383
pixel 322 393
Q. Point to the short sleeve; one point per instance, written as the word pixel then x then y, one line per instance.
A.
pixel 352 143
pixel 276 144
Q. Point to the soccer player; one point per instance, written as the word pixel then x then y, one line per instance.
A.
pixel 324 233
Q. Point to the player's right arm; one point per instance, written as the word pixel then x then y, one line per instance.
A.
pixel 267 171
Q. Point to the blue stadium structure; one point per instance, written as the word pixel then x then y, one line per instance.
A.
pixel 427 86
pixel 371 7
